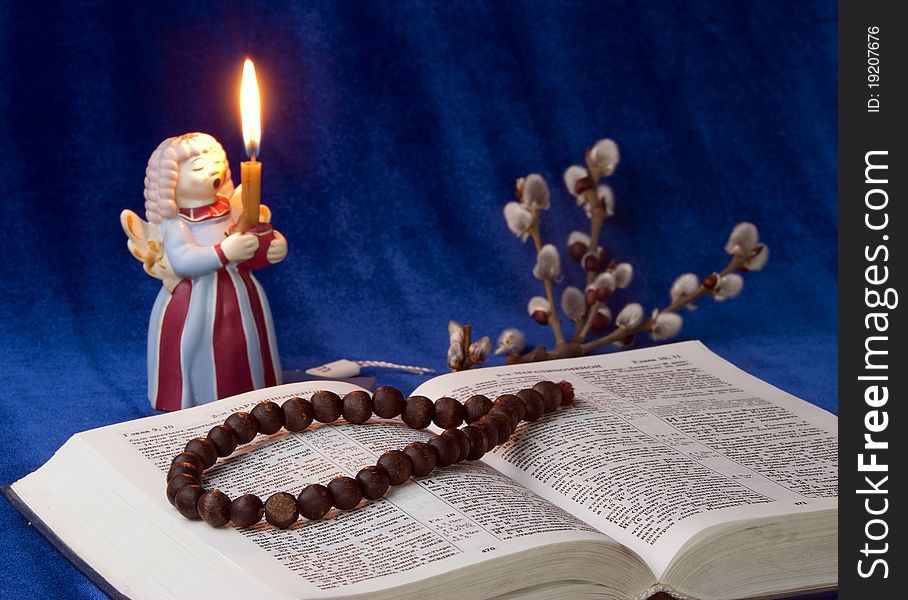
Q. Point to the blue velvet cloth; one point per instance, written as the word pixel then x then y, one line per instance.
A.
pixel 393 134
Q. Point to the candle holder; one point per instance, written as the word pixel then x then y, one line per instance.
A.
pixel 211 333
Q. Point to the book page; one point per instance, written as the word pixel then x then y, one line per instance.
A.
pixel 461 515
pixel 663 442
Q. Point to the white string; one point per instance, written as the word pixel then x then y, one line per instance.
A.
pixel 382 364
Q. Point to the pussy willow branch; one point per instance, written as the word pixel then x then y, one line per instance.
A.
pixel 580 349
pixel 554 321
pixel 580 335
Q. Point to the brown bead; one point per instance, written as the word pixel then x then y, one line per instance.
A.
pixel 298 414
pixel 476 407
pixel 327 405
pixel 184 467
pixel 513 401
pixel 178 482
pixel 357 407
pixel 246 510
pixel 463 442
pixel 206 450
pixel 243 425
pixel 534 403
pixel 508 412
pixel 567 393
pixel 345 491
pixel 373 482
pixel 214 508
pixel 281 510
pixel 187 499
pixel 190 457
pixel 502 424
pixel 551 395
pixel 314 501
pixel 387 402
pixel 422 456
pixel 224 439
pixel 477 442
pixel 269 416
pixel 448 413
pixel 489 431
pixel 418 412
pixel 446 448
pixel 397 465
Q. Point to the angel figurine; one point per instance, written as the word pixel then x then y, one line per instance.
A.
pixel 210 335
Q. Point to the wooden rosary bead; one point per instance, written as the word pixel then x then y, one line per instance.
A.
pixel 328 406
pixel 224 439
pixel 534 404
pixel 567 393
pixel 477 442
pixel 178 482
pixel 448 413
pixel 422 456
pixel 502 424
pixel 373 482
pixel 418 412
pixel 243 425
pixel 214 508
pixel 270 417
pixel 476 408
pixel 184 467
pixel 206 450
pixel 247 510
pixel 357 407
pixel 281 510
pixel 508 412
pixel 298 414
pixel 489 432
pixel 515 403
pixel 187 499
pixel 346 492
pixel 397 465
pixel 446 448
pixel 190 457
pixel 463 442
pixel 387 402
pixel 551 394
pixel 314 501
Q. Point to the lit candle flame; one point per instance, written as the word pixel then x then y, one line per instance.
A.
pixel 251 110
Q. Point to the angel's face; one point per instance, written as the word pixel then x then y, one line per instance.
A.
pixel 200 178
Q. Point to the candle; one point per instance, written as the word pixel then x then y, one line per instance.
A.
pixel 250 170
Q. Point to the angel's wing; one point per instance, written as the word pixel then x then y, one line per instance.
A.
pixel 144 243
pixel 236 207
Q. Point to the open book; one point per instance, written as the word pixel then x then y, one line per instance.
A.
pixel 675 472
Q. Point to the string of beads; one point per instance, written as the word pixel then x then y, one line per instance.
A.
pixel 488 425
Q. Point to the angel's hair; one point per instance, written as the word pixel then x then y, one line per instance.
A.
pixel 164 169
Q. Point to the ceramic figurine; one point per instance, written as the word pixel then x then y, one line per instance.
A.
pixel 210 335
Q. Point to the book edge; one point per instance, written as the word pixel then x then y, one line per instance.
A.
pixel 68 553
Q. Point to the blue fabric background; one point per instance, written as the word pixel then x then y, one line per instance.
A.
pixel 393 134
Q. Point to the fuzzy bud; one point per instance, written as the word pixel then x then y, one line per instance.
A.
pixel 578 244
pixel 511 341
pixel 605 156
pixel 684 286
pixel 519 220
pixel 572 303
pixel 590 295
pixel 710 281
pixel 455 332
pixel 572 175
pixel 728 286
pixel 480 349
pixel 665 325
pixel 758 260
pixel 591 261
pixel 548 263
pixel 624 274
pixel 455 356
pixel 630 316
pixel 535 192
pixel 607 197
pixel 601 320
pixel 539 309
pixel 743 240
